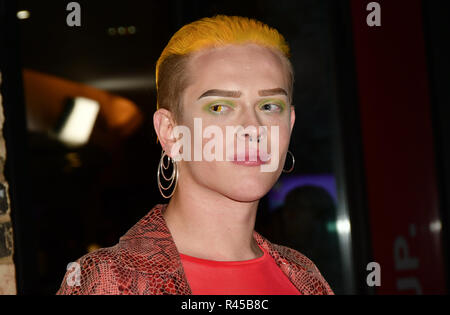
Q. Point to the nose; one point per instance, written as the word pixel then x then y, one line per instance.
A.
pixel 252 136
pixel 253 131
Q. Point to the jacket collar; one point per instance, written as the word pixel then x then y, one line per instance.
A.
pixel 148 248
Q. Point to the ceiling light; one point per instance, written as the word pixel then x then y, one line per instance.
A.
pixel 112 31
pixel 79 122
pixel 23 14
pixel 121 30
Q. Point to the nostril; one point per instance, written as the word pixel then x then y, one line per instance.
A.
pixel 258 139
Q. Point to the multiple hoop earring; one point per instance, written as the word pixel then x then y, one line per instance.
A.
pixel 172 179
pixel 293 163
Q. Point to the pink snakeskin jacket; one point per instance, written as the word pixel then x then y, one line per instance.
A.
pixel 146 261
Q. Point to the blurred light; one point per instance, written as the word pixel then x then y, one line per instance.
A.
pixel 23 14
pixel 92 247
pixel 331 227
pixel 121 30
pixel 124 83
pixel 112 31
pixel 435 226
pixel 343 226
pixel 79 124
pixel 131 29
pixel 74 159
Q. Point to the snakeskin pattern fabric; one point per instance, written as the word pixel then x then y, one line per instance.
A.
pixel 146 261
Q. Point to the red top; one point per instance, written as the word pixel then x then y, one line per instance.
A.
pixel 259 276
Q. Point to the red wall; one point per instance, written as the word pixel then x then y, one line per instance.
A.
pixel 397 138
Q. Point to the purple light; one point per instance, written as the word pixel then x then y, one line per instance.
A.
pixel 284 185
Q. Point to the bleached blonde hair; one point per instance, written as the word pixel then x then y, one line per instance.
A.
pixel 220 30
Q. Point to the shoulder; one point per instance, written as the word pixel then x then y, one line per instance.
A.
pixel 143 254
pixel 297 257
pixel 299 268
pixel 93 273
pixel 315 281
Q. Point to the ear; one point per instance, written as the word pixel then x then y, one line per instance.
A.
pixel 164 123
pixel 292 116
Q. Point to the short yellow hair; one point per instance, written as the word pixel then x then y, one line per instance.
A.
pixel 216 31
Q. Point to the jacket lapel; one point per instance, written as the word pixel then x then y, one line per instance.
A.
pixel 149 249
pixel 301 271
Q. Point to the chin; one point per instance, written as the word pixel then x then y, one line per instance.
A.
pixel 245 196
pixel 244 184
pixel 248 189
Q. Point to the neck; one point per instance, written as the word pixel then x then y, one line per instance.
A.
pixel 208 225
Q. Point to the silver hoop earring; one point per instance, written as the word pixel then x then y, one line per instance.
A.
pixel 293 163
pixel 173 178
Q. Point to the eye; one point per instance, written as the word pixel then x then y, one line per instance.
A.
pixel 271 107
pixel 219 108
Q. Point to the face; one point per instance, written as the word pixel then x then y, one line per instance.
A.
pixel 238 85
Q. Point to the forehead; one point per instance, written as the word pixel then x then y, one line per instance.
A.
pixel 237 66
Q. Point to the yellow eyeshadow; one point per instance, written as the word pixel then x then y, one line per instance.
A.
pixel 208 106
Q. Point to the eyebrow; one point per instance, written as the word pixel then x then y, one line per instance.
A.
pixel 236 94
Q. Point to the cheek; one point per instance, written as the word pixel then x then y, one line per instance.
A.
pixel 285 137
pixel 280 140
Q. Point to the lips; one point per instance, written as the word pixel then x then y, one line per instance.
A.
pixel 253 158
